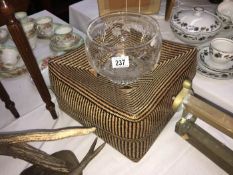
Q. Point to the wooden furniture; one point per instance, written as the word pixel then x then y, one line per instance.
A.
pixel 21 42
pixel 169 6
pixel 8 103
pixel 19 5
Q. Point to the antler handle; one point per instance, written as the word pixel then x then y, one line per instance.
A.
pixel 43 135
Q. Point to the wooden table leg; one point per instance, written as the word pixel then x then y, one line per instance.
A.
pixel 23 46
pixel 170 4
pixel 8 103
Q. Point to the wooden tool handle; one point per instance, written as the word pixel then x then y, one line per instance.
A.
pixel 210 114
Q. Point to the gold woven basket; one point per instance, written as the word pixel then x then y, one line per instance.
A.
pixel 128 118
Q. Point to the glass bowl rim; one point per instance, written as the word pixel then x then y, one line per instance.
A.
pixel 149 18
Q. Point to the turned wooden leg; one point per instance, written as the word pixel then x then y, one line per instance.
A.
pixel 8 103
pixel 22 44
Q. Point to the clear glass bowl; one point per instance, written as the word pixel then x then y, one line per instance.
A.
pixel 123 46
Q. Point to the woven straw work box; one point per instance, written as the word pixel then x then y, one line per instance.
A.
pixel 128 118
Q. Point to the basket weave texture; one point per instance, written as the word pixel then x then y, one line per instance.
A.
pixel 128 118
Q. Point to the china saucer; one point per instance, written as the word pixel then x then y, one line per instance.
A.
pixel 206 61
pixel 56 46
pixel 205 71
pixel 213 74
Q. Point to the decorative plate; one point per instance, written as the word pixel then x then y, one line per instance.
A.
pixel 205 60
pixel 205 71
pixel 56 46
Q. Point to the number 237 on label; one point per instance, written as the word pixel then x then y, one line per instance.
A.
pixel 120 62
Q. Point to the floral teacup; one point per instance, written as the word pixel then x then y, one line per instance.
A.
pixel 64 36
pixel 221 52
pixel 44 26
pixel 21 16
pixel 9 57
